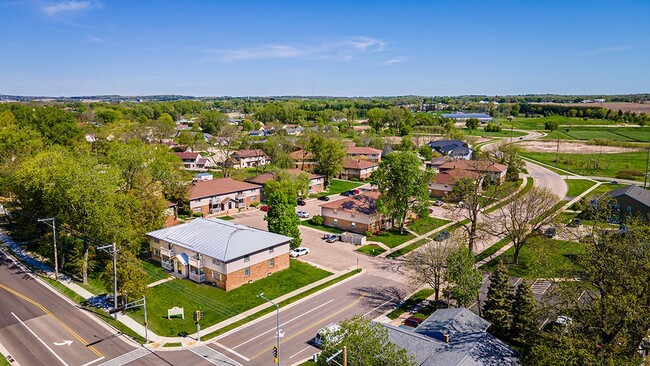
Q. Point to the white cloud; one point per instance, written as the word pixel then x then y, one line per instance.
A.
pixel 395 60
pixel 346 49
pixel 93 39
pixel 604 50
pixel 54 9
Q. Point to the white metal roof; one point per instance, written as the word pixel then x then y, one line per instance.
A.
pixel 219 239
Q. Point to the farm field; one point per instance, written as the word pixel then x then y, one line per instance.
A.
pixel 503 133
pixel 605 165
pixel 615 106
pixel 629 134
pixel 537 123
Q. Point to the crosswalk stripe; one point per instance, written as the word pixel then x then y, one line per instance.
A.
pixel 213 356
pixel 127 357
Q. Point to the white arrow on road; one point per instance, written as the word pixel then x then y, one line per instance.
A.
pixel 64 343
pixel 281 333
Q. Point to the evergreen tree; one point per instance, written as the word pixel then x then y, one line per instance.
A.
pixel 524 312
pixel 498 306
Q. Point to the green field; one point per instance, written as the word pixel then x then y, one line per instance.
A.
pixel 604 165
pixel 590 133
pixel 392 238
pixel 371 249
pixel 409 248
pixel 503 133
pixel 411 302
pixel 541 258
pixel 426 224
pixel 537 123
pixel 218 305
pixel 577 186
pixel 338 186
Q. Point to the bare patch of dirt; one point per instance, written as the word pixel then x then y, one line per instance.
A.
pixel 573 147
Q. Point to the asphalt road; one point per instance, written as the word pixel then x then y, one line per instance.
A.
pixel 366 294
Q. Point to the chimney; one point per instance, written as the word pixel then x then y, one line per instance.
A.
pixel 445 337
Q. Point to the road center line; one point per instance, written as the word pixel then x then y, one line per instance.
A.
pixel 39 338
pixel 287 322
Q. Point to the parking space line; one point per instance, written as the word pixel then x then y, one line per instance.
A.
pixel 40 340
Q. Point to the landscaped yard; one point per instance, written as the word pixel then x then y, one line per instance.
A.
pixel 339 185
pixel 604 165
pixel 492 249
pixel 153 270
pixel 577 186
pixel 371 249
pixel 320 227
pixel 409 248
pixel 591 133
pixel 409 303
pixel 541 258
pixel 425 224
pixel 218 305
pixel 604 188
pixel 392 238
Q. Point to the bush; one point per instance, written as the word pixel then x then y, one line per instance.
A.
pixel 491 127
pixel 368 233
pixel 317 220
pixel 197 214
pixel 551 125
pixel 355 179
pixel 255 204
pixel 628 174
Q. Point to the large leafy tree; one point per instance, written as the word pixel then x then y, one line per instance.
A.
pixel 403 185
pixel 366 343
pixel 328 153
pixel 464 280
pixel 281 217
pixel 212 120
pixel 427 265
pixel 498 306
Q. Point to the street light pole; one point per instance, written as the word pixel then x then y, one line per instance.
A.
pixel 56 256
pixel 277 323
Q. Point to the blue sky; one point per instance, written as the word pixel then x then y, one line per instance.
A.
pixel 339 48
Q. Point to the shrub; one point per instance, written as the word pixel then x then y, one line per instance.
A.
pixel 551 125
pixel 491 127
pixel 355 179
pixel 368 233
pixel 628 174
pixel 317 220
pixel 197 214
pixel 255 204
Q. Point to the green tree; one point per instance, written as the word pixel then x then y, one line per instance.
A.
pixel 328 154
pixel 376 119
pixel 366 343
pixel 524 313
pixel 107 115
pixel 403 186
pixel 406 144
pixel 498 306
pixel 288 183
pixel 281 217
pixel 464 280
pixel 472 123
pixel 427 265
pixel 212 120
pixel 551 125
pixel 248 125
pixel 426 152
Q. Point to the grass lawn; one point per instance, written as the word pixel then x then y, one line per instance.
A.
pixel 577 186
pixel 426 224
pixel 604 188
pixel 392 238
pixel 153 271
pixel 537 123
pixel 541 258
pixel 173 344
pixel 3 360
pixel 339 185
pixel 604 165
pixel 371 249
pixel 503 133
pixel 608 133
pixel 491 249
pixel 219 305
pixel 320 227
pixel 529 185
pixel 409 303
pixel 409 248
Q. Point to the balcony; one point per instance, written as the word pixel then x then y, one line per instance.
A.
pixel 169 253
pixel 240 196
pixel 197 277
pixel 168 265
pixel 196 263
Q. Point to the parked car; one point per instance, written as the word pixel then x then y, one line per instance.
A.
pixel 443 235
pixel 550 232
pixel 324 198
pixel 413 322
pixel 300 201
pixel 333 238
pixel 355 191
pixel 347 194
pixel 438 203
pixel 613 182
pixel 264 208
pixel 298 252
pixel 303 214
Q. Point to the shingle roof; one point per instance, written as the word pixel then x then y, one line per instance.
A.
pixel 363 150
pixel 452 321
pixel 187 155
pixel 361 203
pixel 358 164
pixel 473 349
pixel 444 143
pixel 419 346
pixel 634 192
pixel 248 153
pixel 223 240
pixel 218 186
pixel 454 175
pixel 475 165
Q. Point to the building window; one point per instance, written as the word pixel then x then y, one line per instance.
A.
pixel 157 241
pixel 216 261
pixel 247 271
pixel 629 208
pixel 156 252
pixel 336 211
pixel 319 185
pixel 197 209
pixel 336 221
pixel 271 262
pixel 216 276
pixel 354 225
pixel 270 250
pixel 253 198
pixel 247 258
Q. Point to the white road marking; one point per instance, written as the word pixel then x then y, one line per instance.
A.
pixel 63 343
pixel 37 337
pixel 287 322
pixel 299 352
pixel 232 351
pixel 213 356
pixel 373 310
pixel 127 357
pixel 92 362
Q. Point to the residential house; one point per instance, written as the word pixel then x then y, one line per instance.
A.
pixel 443 183
pixel 631 201
pixel 453 337
pixel 462 117
pixel 222 196
pixel 302 159
pixel 454 148
pixel 193 160
pixel 218 251
pixel 364 153
pixel 316 181
pixel 495 171
pixel 241 159
pixel 356 214
pixel 171 214
pixel 293 130
pixel 357 169
pixel 436 162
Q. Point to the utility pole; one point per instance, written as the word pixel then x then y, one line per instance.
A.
pixel 113 252
pixel 56 257
pixel 277 327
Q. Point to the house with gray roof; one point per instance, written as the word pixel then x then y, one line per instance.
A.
pixel 219 251
pixel 461 117
pixel 631 201
pixel 453 337
pixel 454 148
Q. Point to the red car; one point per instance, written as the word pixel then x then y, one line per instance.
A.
pixel 265 208
pixel 412 322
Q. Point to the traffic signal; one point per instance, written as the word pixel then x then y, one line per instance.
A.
pixel 196 316
pixel 200 314
pixel 275 354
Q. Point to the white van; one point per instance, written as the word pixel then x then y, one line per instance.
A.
pixel 324 332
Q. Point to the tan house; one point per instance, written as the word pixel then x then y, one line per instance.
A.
pixel 241 159
pixel 302 159
pixel 364 153
pixel 496 171
pixel 444 182
pixel 192 160
pixel 222 196
pixel 357 169
pixel 218 251
pixel 356 214
pixel 316 181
